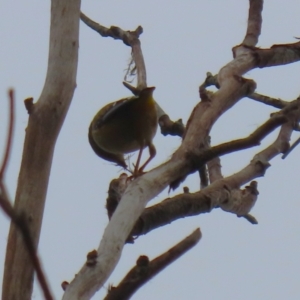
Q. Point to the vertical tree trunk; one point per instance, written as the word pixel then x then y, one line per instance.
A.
pixel 45 120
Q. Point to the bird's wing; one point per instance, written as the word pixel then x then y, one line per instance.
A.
pixel 116 158
pixel 115 107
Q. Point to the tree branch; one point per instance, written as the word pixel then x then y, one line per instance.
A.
pixel 129 38
pixel 278 55
pixel 6 206
pixel 254 23
pixel 252 140
pixel 20 222
pixel 193 204
pixel 222 193
pixel 144 188
pixel 169 127
pixel 45 121
pixel 146 270
pixel 9 133
pixel 139 192
pixel 214 169
pixel 278 103
pixel 295 144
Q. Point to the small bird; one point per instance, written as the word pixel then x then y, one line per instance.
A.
pixel 125 126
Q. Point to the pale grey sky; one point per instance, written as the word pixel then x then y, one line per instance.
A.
pixel 182 40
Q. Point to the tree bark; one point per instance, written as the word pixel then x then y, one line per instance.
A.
pixel 45 121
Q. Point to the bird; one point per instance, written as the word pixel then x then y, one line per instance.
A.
pixel 125 126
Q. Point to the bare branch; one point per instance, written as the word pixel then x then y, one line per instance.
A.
pixel 240 202
pixel 172 209
pixel 233 87
pixel 209 81
pixel 254 23
pixel 45 120
pixel 213 80
pixel 169 127
pixel 146 270
pixel 144 188
pixel 214 169
pixel 278 55
pixel 21 222
pixel 278 103
pixel 129 38
pixel 295 144
pixel 193 204
pixel 5 203
pixel 133 89
pixel 9 133
pixel 250 219
pixel 213 196
pixel 185 205
pixel 253 140
pixel 223 193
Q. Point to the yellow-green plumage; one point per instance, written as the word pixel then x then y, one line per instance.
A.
pixel 125 126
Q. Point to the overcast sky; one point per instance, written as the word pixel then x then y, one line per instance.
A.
pixel 182 40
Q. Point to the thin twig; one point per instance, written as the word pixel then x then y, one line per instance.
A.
pixel 115 32
pixel 133 89
pixel 129 38
pixel 278 103
pixel 21 223
pixel 9 132
pixel 252 140
pixel 295 144
pixel 250 219
pixel 212 80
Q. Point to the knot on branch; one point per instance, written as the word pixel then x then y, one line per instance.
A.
pixel 198 157
pixel 29 105
pixel 260 164
pixel 170 127
pixel 240 202
pixel 210 80
pixel 205 95
pixel 128 37
pixel 248 85
pixel 186 190
pixel 285 147
pixel 142 261
pixel 91 258
pixel 116 189
pixel 64 285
